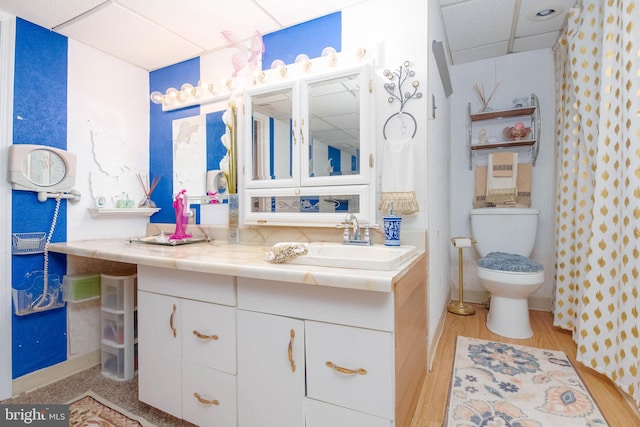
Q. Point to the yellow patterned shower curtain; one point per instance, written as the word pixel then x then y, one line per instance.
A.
pixel 597 278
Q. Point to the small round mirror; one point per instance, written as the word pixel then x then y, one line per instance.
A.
pixel 44 167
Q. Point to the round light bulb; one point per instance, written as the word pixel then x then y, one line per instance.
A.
pixel 157 97
pixel 187 88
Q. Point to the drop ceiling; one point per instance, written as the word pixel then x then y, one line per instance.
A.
pixel 156 33
pixel 480 29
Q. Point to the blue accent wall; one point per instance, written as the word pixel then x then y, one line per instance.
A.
pixel 160 133
pixel 215 129
pixel 40 117
pixel 310 38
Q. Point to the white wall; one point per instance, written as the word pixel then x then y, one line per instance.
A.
pixel 107 119
pixel 519 75
pixel 438 177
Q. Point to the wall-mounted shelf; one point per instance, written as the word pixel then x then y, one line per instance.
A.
pixel 495 121
pixel 121 212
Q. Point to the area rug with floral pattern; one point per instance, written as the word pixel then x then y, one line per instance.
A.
pixel 508 385
pixel 93 410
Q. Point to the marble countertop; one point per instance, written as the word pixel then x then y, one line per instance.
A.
pixel 242 260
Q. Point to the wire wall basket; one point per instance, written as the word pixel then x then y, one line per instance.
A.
pixel 28 243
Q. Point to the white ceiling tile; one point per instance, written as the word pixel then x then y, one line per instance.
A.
pixel 481 52
pixel 202 21
pixel 130 37
pixel 529 23
pixel 287 14
pixel 539 41
pixel 48 14
pixel 478 22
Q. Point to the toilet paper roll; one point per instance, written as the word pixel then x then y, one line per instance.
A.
pixel 461 242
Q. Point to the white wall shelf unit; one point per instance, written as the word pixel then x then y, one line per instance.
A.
pixel 494 122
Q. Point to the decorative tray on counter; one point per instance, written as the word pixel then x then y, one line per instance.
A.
pixel 153 240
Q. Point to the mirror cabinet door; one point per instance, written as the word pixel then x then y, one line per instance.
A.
pixel 270 132
pixel 337 115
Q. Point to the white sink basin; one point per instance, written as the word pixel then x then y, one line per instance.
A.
pixel 377 257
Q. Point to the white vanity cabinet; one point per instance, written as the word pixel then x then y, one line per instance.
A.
pixel 308 155
pixel 187 350
pixel 360 356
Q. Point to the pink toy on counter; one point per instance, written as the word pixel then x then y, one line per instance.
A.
pixel 182 217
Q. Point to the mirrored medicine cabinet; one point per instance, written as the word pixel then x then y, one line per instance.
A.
pixel 308 149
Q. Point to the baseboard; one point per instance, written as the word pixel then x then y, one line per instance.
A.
pixel 482 297
pixel 431 351
pixel 54 373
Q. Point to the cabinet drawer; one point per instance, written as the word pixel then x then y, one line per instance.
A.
pixel 208 334
pixel 188 284
pixel 351 367
pixel 321 414
pixel 208 396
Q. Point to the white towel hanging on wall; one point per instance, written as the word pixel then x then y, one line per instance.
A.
pixel 398 177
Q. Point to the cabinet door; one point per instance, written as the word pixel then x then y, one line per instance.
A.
pixel 271 370
pixel 273 133
pixel 336 114
pixel 159 348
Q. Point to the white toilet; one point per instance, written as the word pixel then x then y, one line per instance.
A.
pixel 504 239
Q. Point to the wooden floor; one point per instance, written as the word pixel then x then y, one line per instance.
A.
pixel 433 399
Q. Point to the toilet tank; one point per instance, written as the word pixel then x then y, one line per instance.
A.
pixel 511 230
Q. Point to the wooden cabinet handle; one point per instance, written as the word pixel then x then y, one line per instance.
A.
pixel 290 351
pixel 205 337
pixel 173 314
pixel 205 401
pixel 345 370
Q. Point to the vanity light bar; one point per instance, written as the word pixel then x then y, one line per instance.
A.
pixel 303 64
pixel 188 95
pixel 205 92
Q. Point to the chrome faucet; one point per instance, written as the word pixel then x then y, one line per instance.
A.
pixel 351 221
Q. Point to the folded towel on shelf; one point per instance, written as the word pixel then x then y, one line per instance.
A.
pixel 398 174
pixel 503 164
pixel 502 190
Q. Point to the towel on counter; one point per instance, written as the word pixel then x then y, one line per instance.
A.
pixel 398 174
pixel 523 183
pixel 500 189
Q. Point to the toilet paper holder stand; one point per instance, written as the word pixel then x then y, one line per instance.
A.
pixel 460 307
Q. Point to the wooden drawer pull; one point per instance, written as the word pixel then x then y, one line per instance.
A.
pixel 173 329
pixel 205 401
pixel 290 351
pixel 205 337
pixel 345 370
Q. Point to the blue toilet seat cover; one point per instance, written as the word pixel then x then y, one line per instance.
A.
pixel 503 261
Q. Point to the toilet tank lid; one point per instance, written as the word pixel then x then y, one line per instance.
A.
pixel 505 211
pixel 503 261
